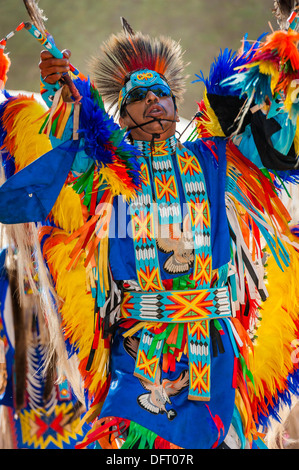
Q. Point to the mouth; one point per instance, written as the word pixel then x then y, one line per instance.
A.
pixel 154 111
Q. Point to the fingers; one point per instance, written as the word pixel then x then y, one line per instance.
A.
pixel 66 53
pixel 51 69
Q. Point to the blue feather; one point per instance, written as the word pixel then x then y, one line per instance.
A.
pixel 249 82
pixel 283 398
pixel 102 138
pixel 289 176
pixel 224 67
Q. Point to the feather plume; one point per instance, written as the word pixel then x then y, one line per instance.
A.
pixel 21 143
pixel 20 120
pixel 125 53
pixel 106 143
pixel 36 15
pixel 126 27
pixel 282 10
pixel 272 363
pixel 224 66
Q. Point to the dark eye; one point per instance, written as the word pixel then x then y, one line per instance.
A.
pixel 137 95
pixel 161 92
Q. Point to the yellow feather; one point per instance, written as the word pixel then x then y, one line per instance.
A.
pixel 296 138
pixel 211 124
pixel 271 361
pixel 67 211
pixel 29 144
pixel 241 408
pixel 73 286
pixel 109 178
pixel 77 307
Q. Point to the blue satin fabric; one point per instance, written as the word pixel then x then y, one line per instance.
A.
pixel 29 195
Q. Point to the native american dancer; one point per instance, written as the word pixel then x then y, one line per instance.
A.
pixel 174 264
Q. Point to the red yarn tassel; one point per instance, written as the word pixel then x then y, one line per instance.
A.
pixel 235 373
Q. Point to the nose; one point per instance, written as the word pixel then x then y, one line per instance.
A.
pixel 151 97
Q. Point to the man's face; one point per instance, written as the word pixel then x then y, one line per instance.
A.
pixel 158 112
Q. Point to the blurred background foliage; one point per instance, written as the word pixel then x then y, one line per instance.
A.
pixel 203 27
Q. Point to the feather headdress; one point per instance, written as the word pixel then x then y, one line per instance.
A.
pixel 128 52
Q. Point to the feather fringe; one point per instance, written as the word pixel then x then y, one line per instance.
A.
pixel 218 83
pixel 271 73
pixel 224 66
pixel 21 142
pixel 20 120
pixel 274 364
pixel 76 309
pixel 109 435
pixel 265 374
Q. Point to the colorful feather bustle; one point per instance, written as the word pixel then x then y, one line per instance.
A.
pixel 69 241
pixel 261 74
pixel 20 120
pixel 264 212
pixel 76 248
pixel 274 363
pixel 272 72
pixel 257 219
pixel 77 309
pixel 207 122
pixel 265 375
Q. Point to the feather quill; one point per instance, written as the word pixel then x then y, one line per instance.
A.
pixel 126 27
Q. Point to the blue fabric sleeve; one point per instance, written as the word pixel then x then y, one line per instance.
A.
pixel 29 195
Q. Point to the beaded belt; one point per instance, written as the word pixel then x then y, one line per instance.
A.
pixel 194 307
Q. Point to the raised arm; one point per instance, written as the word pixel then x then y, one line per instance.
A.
pixel 243 102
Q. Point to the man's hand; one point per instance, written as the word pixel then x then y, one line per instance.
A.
pixel 52 68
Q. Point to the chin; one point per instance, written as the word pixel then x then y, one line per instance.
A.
pixel 157 129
